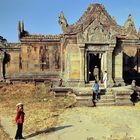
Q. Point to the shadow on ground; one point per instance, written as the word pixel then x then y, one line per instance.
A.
pixel 49 130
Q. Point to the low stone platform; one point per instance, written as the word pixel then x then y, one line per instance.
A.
pixel 119 96
pixel 61 91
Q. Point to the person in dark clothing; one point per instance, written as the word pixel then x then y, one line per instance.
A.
pixel 134 97
pixel 95 92
pixel 19 120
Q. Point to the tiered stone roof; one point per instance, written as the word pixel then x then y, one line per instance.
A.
pixel 130 29
pixel 94 12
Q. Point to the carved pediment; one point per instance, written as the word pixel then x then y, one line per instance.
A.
pixel 95 12
pixel 97 32
pixel 96 26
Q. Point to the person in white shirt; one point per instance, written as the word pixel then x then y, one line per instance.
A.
pixel 105 80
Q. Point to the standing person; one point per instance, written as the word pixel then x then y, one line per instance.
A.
pixel 19 120
pixel 95 92
pixel 105 80
pixel 96 73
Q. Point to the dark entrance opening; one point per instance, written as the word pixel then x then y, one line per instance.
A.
pixel 93 61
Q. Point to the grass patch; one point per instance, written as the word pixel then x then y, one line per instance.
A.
pixel 41 107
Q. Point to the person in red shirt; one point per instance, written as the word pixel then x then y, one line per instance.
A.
pixel 19 120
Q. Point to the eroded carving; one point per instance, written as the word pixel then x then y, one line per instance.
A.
pixel 57 58
pixel 63 22
pixel 44 58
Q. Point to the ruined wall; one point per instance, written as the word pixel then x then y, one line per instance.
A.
pixel 34 59
pixel 40 58
pixel 12 67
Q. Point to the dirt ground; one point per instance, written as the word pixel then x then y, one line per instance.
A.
pixel 100 123
pixel 78 123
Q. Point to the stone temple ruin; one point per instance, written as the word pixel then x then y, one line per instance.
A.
pixel 94 40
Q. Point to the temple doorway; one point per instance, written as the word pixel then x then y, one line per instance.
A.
pixel 93 62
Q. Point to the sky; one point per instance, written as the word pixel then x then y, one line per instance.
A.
pixel 41 16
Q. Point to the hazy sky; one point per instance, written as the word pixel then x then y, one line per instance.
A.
pixel 41 16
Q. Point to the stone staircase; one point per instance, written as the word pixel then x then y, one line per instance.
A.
pixel 113 97
pixel 104 99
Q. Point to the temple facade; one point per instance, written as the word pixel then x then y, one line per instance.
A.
pixel 95 40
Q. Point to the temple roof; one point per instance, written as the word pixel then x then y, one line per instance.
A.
pixel 130 28
pixel 98 14
pixel 95 14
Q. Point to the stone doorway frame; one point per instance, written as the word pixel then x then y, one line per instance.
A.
pixel 88 63
pixel 105 48
pixel 95 49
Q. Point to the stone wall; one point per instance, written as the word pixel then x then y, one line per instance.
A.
pixel 72 63
pixel 12 67
pixel 34 59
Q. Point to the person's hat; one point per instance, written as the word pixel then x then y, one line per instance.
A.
pixel 19 104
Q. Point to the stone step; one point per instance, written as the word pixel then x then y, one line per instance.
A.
pixel 83 97
pixel 125 92
pixel 122 94
pixel 89 103
pixel 123 103
pixel 106 96
pixel 61 95
pixel 100 97
pixel 106 100
pixel 99 100
pixel 105 104
pixel 82 94
pixel 122 97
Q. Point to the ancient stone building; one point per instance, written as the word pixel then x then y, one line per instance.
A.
pixel 95 40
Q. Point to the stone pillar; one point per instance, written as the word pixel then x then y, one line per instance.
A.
pixel 119 69
pixel 82 65
pixel 109 67
pixel 1 64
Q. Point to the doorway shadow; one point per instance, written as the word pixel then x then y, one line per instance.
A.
pixel 49 130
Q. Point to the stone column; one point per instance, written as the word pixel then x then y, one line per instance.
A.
pixel 1 64
pixel 109 67
pixel 119 69
pixel 82 67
